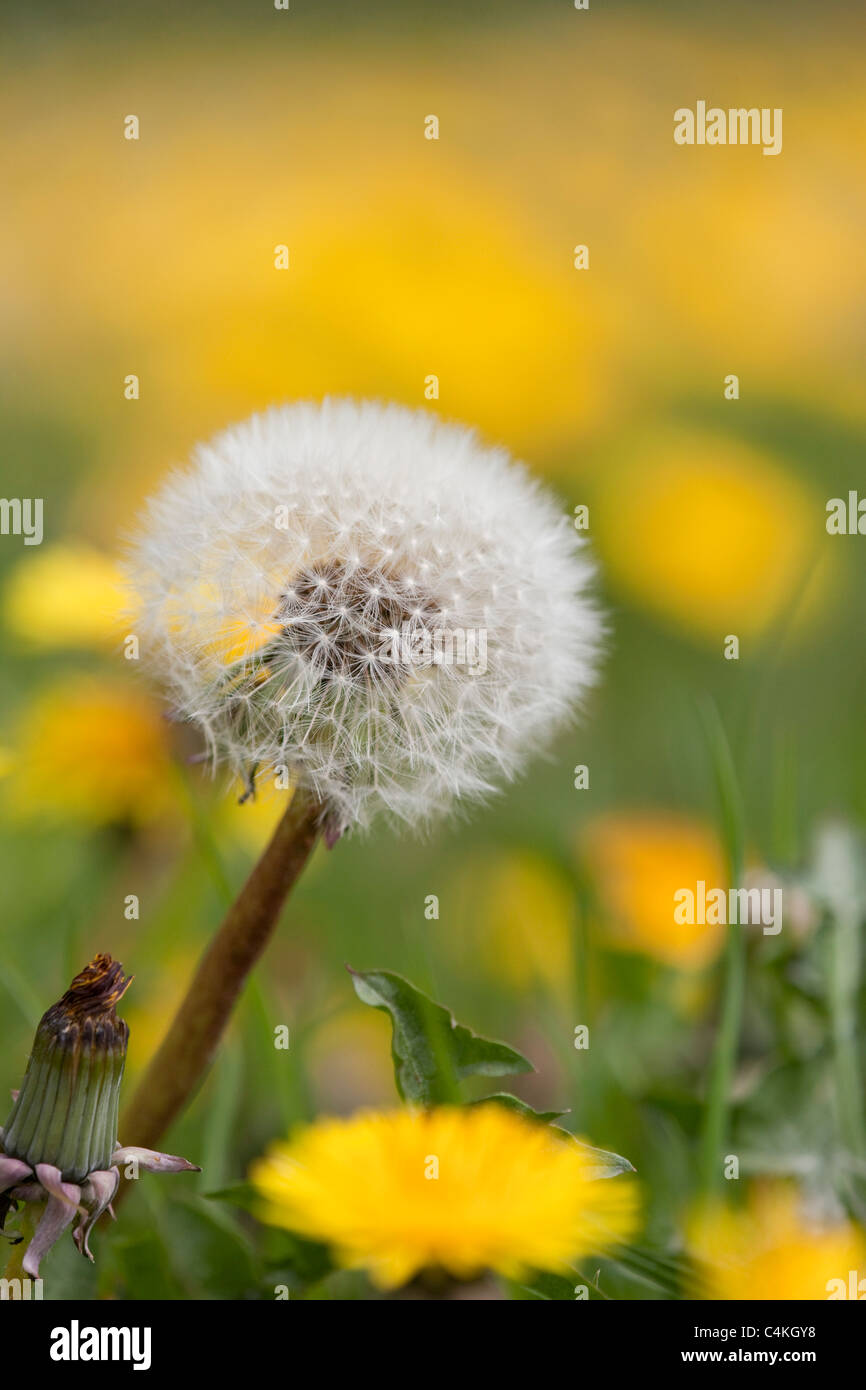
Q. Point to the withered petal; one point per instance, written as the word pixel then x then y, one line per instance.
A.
pixel 96 1196
pixel 153 1162
pixel 29 1192
pixel 12 1170
pixel 56 1217
pixel 52 1180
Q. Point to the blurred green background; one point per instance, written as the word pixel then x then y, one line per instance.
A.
pixel 411 257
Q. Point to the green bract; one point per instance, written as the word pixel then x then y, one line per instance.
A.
pixel 66 1111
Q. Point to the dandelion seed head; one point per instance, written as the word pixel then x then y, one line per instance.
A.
pixel 277 577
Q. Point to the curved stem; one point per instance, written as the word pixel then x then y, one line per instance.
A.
pixel 189 1046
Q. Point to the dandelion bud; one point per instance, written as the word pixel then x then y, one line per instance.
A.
pixel 60 1144
pixel 66 1111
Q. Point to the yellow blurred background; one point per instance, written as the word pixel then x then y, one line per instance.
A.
pixel 452 258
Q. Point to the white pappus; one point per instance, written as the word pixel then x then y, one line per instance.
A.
pixel 368 598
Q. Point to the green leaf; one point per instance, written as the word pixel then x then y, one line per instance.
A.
pixel 544 1117
pixel 210 1253
pixel 431 1051
pixel 659 1269
pixel 727 787
pixel 238 1194
pixel 556 1288
pixel 140 1267
pixel 342 1286
pixel 293 1260
pixel 224 1097
pixel 606 1164
pixel 548 1287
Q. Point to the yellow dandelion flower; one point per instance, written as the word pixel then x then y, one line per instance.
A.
pixel 93 751
pixel 67 595
pixel 638 861
pixel 152 1008
pixel 227 639
pixel 443 269
pixel 773 1248
pixel 712 535
pixel 518 912
pixel 252 822
pixel 460 1190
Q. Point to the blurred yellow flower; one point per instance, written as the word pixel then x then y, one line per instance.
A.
pixel 637 861
pixel 517 921
pixel 348 1061
pixel 92 750
pixel 411 258
pixel 157 997
pixel 402 268
pixel 711 534
pixel 251 823
pixel 460 1190
pixel 65 595
pixel 199 616
pixel 733 289
pixel 771 1248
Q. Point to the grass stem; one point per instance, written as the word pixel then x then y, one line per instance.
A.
pixel 716 1126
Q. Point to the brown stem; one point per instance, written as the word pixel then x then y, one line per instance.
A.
pixel 191 1041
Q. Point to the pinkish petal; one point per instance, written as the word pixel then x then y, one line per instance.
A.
pixel 97 1194
pixel 101 1187
pixel 30 1192
pixel 12 1170
pixel 153 1162
pixel 56 1217
pixel 52 1180
pixel 332 834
